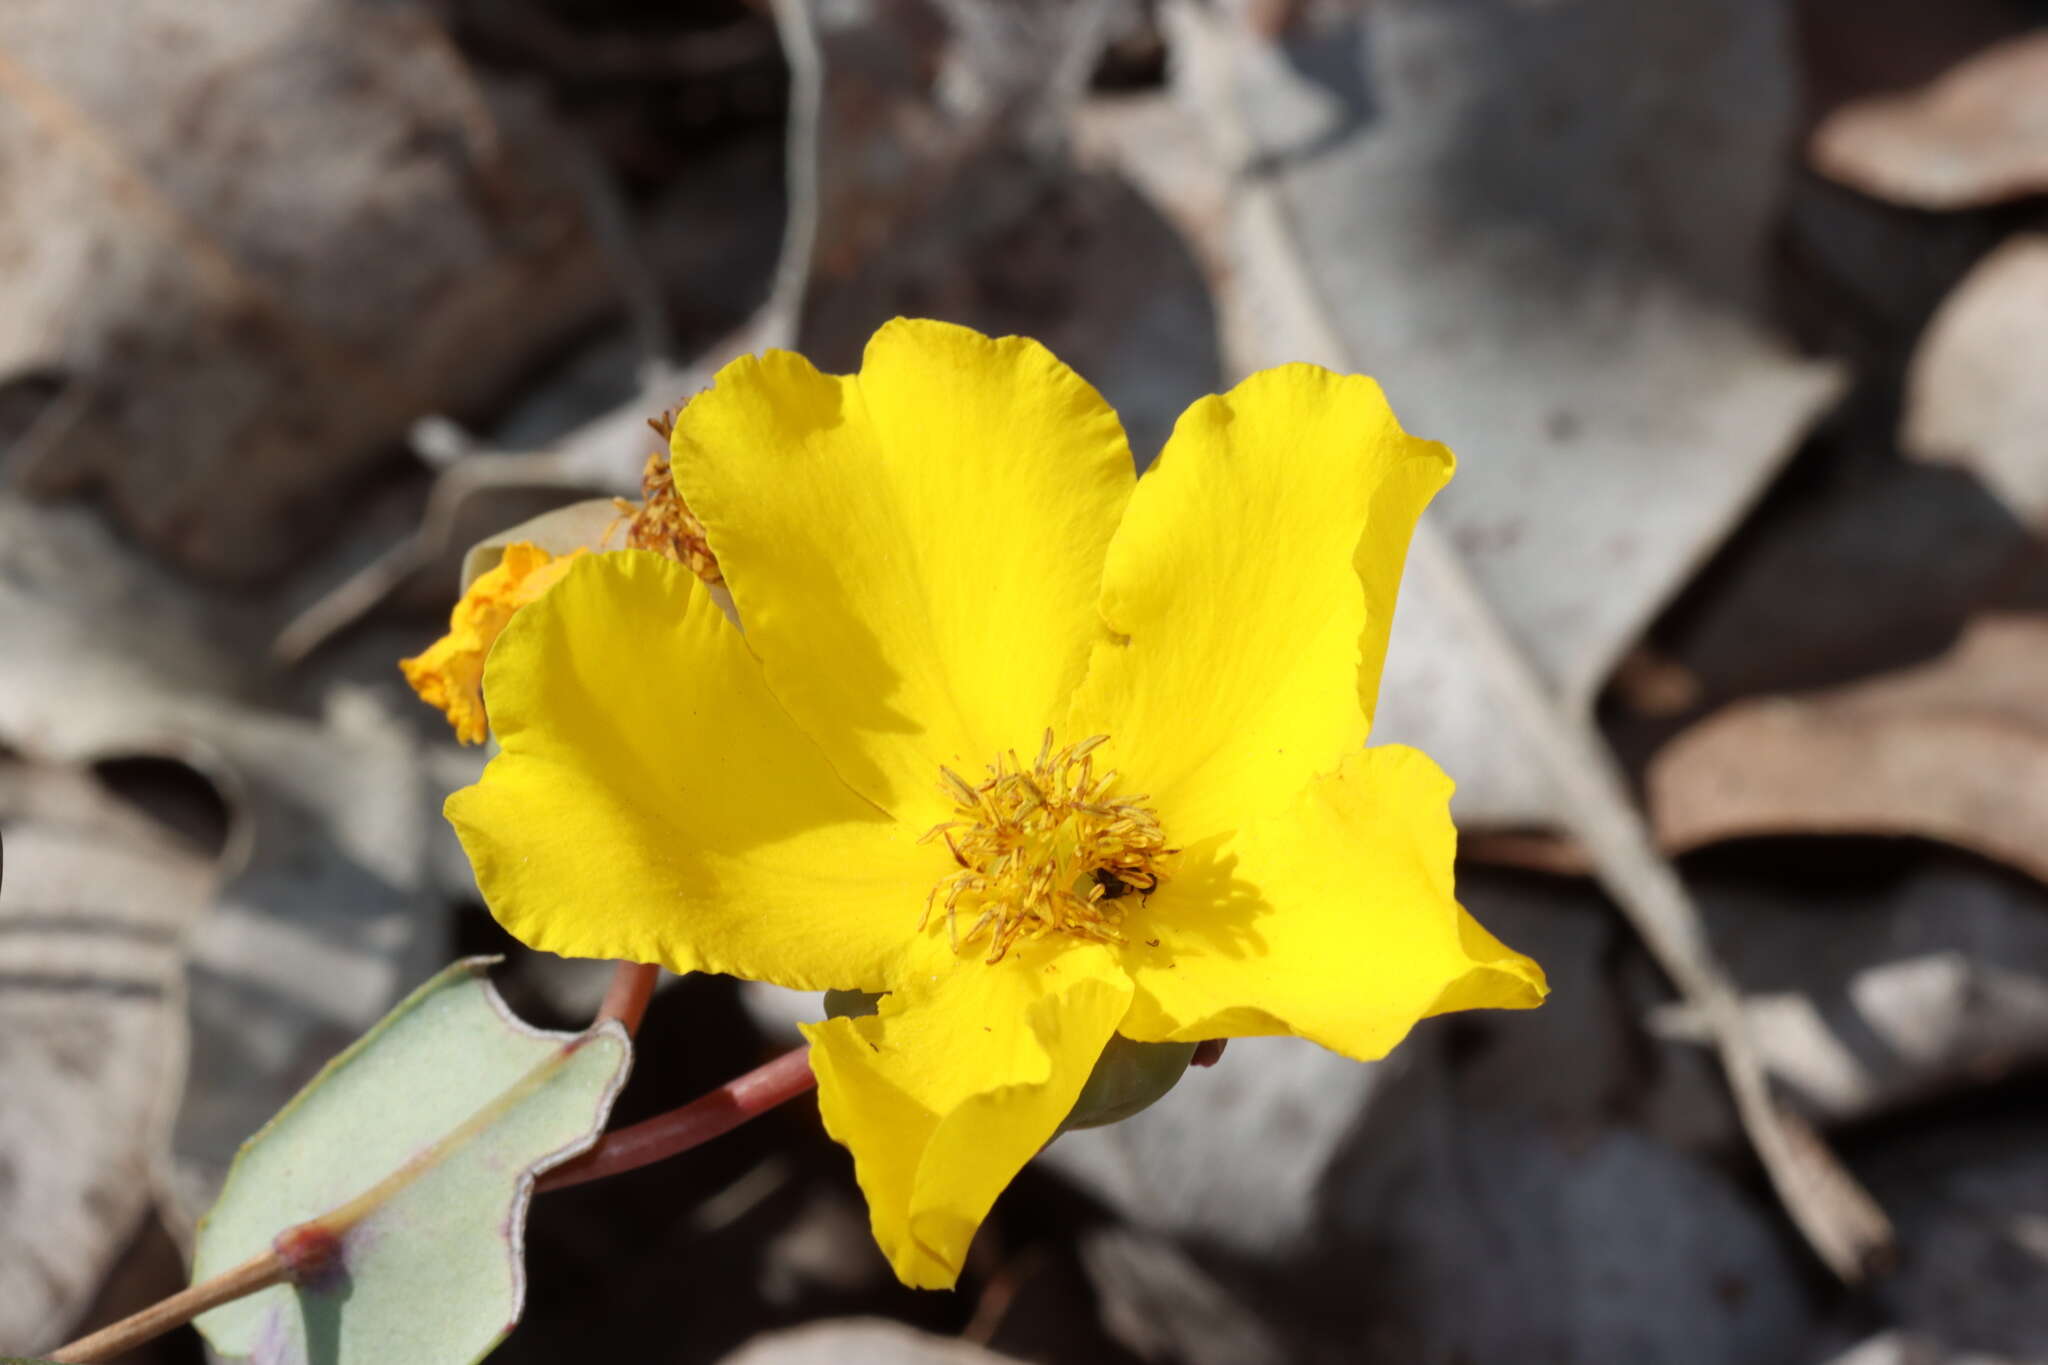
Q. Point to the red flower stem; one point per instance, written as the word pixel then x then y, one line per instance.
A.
pixel 626 998
pixel 696 1123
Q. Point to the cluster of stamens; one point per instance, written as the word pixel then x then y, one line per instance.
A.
pixel 661 521
pixel 1043 850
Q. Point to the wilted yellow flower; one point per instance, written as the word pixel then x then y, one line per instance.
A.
pixel 450 673
pixel 1044 751
pixel 662 522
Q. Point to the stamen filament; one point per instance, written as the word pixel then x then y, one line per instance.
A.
pixel 1043 850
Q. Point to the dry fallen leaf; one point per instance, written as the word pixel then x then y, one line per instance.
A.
pixel 258 288
pixel 1976 135
pixel 944 193
pixel 1159 1303
pixel 327 906
pixel 1955 750
pixel 1614 409
pixel 1406 192
pixel 860 1341
pixel 1878 978
pixel 96 907
pixel 1977 389
pixel 608 452
pixel 1946 1023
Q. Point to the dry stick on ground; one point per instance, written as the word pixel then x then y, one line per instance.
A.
pixel 248 1278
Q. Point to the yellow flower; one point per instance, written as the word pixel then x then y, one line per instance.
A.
pixel 450 673
pixel 937 561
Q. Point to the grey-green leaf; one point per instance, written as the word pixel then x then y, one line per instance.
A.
pixel 472 1105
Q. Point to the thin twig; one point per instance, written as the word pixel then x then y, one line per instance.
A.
pixel 696 1123
pixel 777 322
pixel 626 998
pixel 1838 1218
pixel 247 1278
pixel 565 468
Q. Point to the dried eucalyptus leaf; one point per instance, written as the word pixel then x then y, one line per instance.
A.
pixel 97 905
pixel 1969 138
pixel 1541 228
pixel 327 903
pixel 258 289
pixel 1974 392
pixel 594 523
pixel 1955 749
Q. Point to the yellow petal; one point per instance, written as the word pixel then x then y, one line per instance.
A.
pixel 1333 920
pixel 1251 586
pixel 449 674
pixel 957 1082
pixel 653 802
pixel 915 549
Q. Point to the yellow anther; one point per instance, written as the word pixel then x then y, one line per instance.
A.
pixel 1047 849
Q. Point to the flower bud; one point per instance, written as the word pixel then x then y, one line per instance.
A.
pixel 1128 1077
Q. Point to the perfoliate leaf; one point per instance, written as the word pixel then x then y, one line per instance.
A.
pixel 467 1105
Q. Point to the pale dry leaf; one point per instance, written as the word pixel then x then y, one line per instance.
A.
pixel 950 197
pixel 1161 1305
pixel 1521 295
pixel 328 905
pixel 95 911
pixel 1977 388
pixel 883 182
pixel 608 452
pixel 860 1341
pixel 331 913
pixel 1469 201
pixel 1542 228
pixel 1893 1347
pixel 1975 136
pixel 1955 750
pixel 258 289
pixel 1928 974
pixel 1943 1022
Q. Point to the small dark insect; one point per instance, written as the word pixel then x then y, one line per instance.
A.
pixel 1111 884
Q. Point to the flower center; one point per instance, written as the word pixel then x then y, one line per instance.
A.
pixel 1048 849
